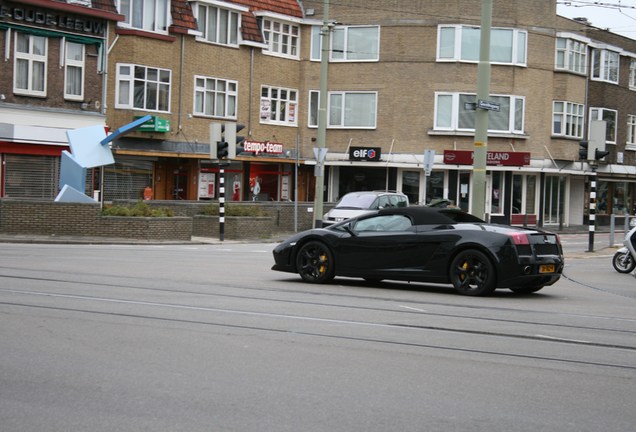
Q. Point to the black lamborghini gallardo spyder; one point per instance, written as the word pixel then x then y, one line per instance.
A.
pixel 424 244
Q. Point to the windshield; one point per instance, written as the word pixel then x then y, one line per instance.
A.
pixel 356 201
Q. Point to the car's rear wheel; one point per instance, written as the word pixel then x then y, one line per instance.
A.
pixel 472 273
pixel 527 289
pixel 315 263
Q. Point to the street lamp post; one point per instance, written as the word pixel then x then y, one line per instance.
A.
pixel 478 207
pixel 322 116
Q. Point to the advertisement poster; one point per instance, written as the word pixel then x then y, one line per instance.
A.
pixel 206 185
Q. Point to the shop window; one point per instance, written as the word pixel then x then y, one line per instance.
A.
pixel 524 194
pixel 267 183
pixel 496 192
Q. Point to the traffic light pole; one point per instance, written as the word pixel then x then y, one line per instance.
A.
pixel 221 201
pixel 592 221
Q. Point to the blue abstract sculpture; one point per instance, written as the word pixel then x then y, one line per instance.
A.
pixel 90 148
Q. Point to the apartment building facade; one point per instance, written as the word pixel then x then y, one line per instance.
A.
pixel 401 82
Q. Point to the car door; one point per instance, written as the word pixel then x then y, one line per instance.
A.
pixel 381 244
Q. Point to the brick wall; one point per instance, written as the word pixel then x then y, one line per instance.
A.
pixel 73 219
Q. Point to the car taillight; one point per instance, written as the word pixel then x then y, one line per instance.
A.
pixel 520 238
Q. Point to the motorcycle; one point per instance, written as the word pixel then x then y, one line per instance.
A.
pixel 624 260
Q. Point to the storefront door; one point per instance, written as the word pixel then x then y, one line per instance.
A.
pixel 553 195
pixel 463 193
pixel 411 186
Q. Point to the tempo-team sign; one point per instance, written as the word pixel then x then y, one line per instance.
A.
pixel 365 153
pixel 262 147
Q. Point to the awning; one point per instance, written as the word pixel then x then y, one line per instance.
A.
pixel 87 40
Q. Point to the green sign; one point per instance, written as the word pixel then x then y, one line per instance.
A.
pixel 155 124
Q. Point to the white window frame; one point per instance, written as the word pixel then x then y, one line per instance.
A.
pixel 215 92
pixel 632 74
pixel 597 113
pixel 279 106
pixel 126 99
pixel 157 18
pixel 605 65
pixel 282 38
pixel 74 64
pixel 226 28
pixel 343 98
pixel 456 37
pixel 32 59
pixel 343 54
pixel 349 49
pixel 453 119
pixel 631 132
pixel 570 55
pixel 568 119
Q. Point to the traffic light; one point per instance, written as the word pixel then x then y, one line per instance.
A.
pixel 223 140
pixel 600 154
pixel 583 150
pixel 239 139
pixel 222 150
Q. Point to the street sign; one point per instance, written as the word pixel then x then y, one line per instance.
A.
pixel 488 105
pixel 429 159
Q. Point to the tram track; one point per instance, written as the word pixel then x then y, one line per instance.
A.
pixel 393 325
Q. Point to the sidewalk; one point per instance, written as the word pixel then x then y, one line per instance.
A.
pixel 599 251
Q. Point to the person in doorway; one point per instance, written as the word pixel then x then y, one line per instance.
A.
pixel 256 189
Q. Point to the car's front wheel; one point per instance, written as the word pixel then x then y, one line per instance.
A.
pixel 315 263
pixel 472 273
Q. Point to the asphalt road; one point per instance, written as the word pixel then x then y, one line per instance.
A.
pixel 208 338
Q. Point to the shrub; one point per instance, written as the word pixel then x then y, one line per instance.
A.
pixel 140 209
pixel 234 210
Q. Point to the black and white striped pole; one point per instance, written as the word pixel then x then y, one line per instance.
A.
pixel 221 202
pixel 592 221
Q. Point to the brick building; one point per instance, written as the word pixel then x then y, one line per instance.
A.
pixel 401 80
pixel 52 80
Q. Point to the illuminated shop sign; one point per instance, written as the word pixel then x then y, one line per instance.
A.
pixel 502 158
pixel 365 153
pixel 257 147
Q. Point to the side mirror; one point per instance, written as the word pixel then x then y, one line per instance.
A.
pixel 348 227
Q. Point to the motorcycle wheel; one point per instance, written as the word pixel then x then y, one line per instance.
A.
pixel 623 262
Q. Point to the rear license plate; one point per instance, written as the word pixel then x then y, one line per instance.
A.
pixel 546 268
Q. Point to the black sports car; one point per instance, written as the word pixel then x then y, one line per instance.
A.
pixel 425 244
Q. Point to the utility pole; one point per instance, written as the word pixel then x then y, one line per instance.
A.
pixel 322 116
pixel 478 207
